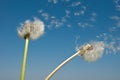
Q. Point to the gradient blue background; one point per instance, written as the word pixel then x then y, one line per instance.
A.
pixel 56 44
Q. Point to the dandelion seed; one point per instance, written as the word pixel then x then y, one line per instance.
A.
pixel 93 53
pixel 33 30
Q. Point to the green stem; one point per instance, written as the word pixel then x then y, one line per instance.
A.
pixel 22 76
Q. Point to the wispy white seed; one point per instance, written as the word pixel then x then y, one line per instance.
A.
pixel 32 30
pixel 94 53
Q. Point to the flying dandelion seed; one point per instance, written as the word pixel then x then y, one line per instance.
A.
pixel 29 30
pixel 111 41
pixel 90 52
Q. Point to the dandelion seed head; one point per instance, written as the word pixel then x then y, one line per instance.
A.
pixel 32 30
pixel 93 53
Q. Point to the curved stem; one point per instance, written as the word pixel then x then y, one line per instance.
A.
pixel 22 76
pixel 62 64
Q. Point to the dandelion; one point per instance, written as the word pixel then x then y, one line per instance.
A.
pixel 89 52
pixel 29 30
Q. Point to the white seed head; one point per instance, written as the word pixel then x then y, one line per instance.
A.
pixel 93 52
pixel 32 30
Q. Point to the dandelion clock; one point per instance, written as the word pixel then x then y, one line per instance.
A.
pixel 93 53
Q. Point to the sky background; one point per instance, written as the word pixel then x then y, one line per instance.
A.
pixel 68 25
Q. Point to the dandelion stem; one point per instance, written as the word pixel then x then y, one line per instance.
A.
pixel 62 64
pixel 22 76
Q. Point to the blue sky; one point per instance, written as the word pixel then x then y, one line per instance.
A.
pixel 68 24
